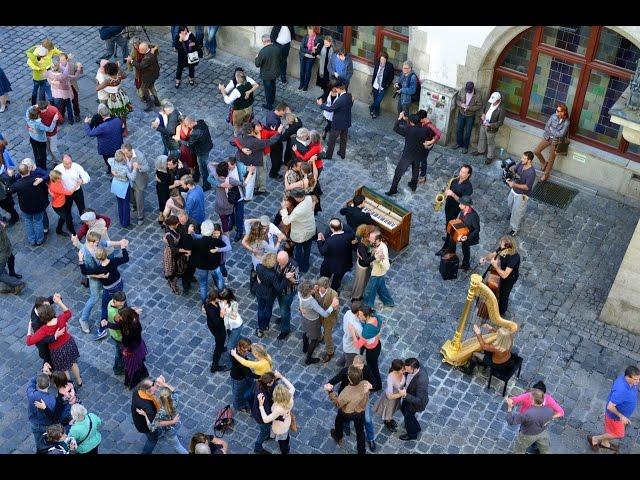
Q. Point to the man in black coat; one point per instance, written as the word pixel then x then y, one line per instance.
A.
pixel 268 61
pixel 337 252
pixel 341 122
pixel 201 144
pixel 354 214
pixel 414 150
pixel 33 198
pixel 142 400
pixel 471 219
pixel 43 345
pixel 383 74
pixel 415 397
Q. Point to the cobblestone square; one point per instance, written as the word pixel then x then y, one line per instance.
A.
pixel 570 258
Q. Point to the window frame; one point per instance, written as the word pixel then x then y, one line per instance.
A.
pixel 588 64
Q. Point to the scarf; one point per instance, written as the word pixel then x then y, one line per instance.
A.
pixel 145 396
pixel 324 53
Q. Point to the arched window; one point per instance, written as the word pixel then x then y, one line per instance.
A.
pixel 585 67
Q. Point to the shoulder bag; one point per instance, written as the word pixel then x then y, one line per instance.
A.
pixel 562 147
pixel 89 432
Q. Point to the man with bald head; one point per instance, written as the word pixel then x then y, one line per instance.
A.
pixel 287 267
pixel 144 59
pixel 337 252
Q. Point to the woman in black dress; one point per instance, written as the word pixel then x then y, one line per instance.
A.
pixel 186 42
pixel 215 322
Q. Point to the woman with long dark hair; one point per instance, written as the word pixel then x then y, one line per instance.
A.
pixel 174 259
pixel 134 350
pixel 389 402
pixel 186 44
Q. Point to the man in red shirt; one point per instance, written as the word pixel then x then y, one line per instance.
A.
pixel 47 112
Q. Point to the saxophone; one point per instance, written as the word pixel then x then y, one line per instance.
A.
pixel 439 200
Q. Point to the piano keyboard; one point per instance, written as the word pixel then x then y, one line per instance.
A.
pixel 380 217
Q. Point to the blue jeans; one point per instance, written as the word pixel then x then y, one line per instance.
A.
pixel 202 162
pixel 210 41
pixel 284 56
pixel 174 33
pixel 301 254
pixel 33 227
pixel 58 102
pixel 118 361
pixel 377 286
pixel 95 289
pixel 368 424
pixel 41 90
pixel 238 218
pixel 378 96
pixel 152 440
pixel 463 130
pixel 107 295
pixel 199 34
pixel 264 430
pixel 265 307
pixel 203 281
pixel 241 391
pixel 285 301
pixel 306 65
pixel 218 278
pixel 172 438
pixel 233 336
pixel 269 92
pixel 124 211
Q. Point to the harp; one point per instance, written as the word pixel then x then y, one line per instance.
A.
pixel 457 351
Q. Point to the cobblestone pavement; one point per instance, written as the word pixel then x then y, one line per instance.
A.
pixel 570 260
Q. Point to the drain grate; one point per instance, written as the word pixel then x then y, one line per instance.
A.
pixel 553 194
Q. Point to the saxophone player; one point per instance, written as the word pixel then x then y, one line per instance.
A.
pixel 460 187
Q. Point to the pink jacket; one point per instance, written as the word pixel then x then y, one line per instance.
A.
pixel 526 402
pixel 60 84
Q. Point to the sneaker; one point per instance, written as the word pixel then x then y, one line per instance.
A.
pixel 259 333
pixel 100 334
pixel 513 233
pixel 84 326
pixel 372 445
pixel 141 221
pixel 338 441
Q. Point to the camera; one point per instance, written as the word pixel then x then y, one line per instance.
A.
pixel 507 174
pixel 397 87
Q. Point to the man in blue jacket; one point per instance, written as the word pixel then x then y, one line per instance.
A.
pixel 341 109
pixel 406 86
pixel 108 133
pixel 341 66
pixel 194 204
pixel 38 391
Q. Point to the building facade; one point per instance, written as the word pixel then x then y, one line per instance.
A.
pixel 534 68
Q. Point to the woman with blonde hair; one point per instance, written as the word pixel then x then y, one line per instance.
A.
pixel 495 355
pixel 505 261
pixel 60 203
pixel 262 363
pixel 365 259
pixel 280 417
pixel 167 420
pixel 123 177
pixel 85 429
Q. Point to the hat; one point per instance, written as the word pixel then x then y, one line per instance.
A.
pixel 40 51
pixel 465 200
pixel 469 87
pixel 265 220
pixel 495 96
pixel 88 216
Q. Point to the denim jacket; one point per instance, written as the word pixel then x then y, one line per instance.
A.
pixel 213 180
pixel 408 85
pixel 555 129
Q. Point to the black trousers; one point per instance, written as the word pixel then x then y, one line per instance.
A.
pixel 372 355
pixel 505 290
pixel 411 424
pixel 78 198
pixel 220 336
pixel 64 216
pixel 106 162
pixel 358 421
pixel 187 277
pixel 331 144
pixel 449 244
pixel 181 67
pixel 402 167
pixel 284 445
pixel 336 277
pixel 39 153
pixel 277 150
pixel 9 206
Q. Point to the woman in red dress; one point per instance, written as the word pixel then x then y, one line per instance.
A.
pixel 187 157
pixel 64 351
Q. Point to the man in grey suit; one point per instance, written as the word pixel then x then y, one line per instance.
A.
pixel 140 165
pixel 415 397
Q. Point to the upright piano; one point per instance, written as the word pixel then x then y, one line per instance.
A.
pixel 393 221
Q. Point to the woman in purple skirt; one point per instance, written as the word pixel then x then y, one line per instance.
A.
pixel 134 350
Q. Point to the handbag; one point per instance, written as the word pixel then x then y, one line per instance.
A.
pixel 562 147
pixel 193 58
pixel 224 421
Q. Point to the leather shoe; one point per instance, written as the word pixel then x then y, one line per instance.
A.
pixel 477 154
pixel 372 446
pixel 488 161
pixel 283 336
pixel 326 358
pixel 407 437
pixel 338 441
pixel 15 275
pixel 439 253
pixel 391 192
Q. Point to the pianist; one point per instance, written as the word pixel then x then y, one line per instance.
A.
pixel 354 214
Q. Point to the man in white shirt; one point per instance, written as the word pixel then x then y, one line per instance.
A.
pixel 141 167
pixel 376 285
pixel 303 227
pixel 282 36
pixel 73 177
pixel 349 350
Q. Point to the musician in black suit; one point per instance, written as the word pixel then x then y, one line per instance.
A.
pixel 415 397
pixel 413 152
pixel 471 219
pixel 460 187
pixel 354 214
pixel 341 122
pixel 337 252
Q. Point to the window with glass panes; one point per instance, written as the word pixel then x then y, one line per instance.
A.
pixel 585 67
pixel 366 43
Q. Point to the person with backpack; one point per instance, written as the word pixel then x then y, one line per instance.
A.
pixel 407 88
